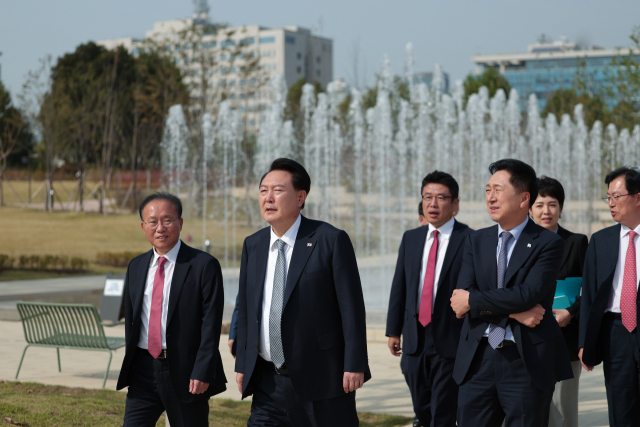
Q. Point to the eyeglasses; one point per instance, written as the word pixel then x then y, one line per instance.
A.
pixel 165 222
pixel 440 198
pixel 607 200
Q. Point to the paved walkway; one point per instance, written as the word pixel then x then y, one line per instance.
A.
pixel 386 392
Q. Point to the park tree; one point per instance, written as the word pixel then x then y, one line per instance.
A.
pixel 490 78
pixel 563 101
pixel 14 133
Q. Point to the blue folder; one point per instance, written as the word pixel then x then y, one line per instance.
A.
pixel 567 291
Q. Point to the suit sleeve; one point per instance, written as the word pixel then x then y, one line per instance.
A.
pixel 539 281
pixel 581 254
pixel 128 307
pixel 348 288
pixel 467 277
pixel 204 368
pixel 588 289
pixel 397 299
pixel 233 330
pixel 241 305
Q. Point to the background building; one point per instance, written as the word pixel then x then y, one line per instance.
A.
pixel 549 66
pixel 236 63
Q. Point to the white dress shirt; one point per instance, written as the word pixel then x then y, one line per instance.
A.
pixel 511 244
pixel 169 267
pixel 616 289
pixel 289 238
pixel 444 235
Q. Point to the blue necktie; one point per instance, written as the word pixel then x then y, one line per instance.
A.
pixel 496 333
pixel 277 298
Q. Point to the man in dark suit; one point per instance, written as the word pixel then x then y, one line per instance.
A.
pixel 301 342
pixel 426 275
pixel 511 350
pixel 173 315
pixel 609 303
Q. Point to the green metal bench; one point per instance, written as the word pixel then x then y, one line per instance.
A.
pixel 70 326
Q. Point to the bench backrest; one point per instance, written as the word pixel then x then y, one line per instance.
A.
pixel 72 325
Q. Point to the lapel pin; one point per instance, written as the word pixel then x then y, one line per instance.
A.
pixel 309 245
pixel 529 245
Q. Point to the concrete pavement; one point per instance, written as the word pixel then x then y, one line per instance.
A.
pixel 385 393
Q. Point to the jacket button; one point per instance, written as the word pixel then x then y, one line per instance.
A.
pixel 477 339
pixel 256 345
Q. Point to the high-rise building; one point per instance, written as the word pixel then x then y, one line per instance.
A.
pixel 549 66
pixel 236 63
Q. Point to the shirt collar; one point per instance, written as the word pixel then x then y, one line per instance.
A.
pixel 445 229
pixel 290 236
pixel 624 230
pixel 516 230
pixel 171 256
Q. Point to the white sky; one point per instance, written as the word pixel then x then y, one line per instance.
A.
pixel 442 32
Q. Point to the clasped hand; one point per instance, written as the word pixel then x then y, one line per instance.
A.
pixel 531 317
pixel 460 302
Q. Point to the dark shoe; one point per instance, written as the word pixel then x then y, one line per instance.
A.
pixel 416 422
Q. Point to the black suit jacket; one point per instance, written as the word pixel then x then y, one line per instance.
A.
pixel 599 268
pixel 194 321
pixel 530 279
pixel 402 315
pixel 323 319
pixel 575 250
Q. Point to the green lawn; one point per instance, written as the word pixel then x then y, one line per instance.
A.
pixel 38 405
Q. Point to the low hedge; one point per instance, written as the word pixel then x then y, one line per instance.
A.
pixel 43 263
pixel 115 259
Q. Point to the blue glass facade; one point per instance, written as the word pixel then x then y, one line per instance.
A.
pixel 545 76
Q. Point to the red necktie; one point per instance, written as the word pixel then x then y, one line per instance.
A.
pixel 426 300
pixel 155 317
pixel 629 287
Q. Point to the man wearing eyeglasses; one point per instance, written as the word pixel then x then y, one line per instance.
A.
pixel 173 316
pixel 426 274
pixel 609 310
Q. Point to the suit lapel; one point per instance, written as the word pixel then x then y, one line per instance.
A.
pixel 488 248
pixel 524 248
pixel 414 259
pixel 611 250
pixel 136 288
pixel 262 257
pixel 177 281
pixel 305 244
pixel 455 241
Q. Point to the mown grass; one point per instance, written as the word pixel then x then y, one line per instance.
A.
pixel 85 235
pixel 38 405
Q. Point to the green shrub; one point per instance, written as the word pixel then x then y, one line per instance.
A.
pixel 115 259
pixel 79 264
pixel 6 261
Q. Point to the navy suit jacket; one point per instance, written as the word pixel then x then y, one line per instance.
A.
pixel 530 279
pixel 402 315
pixel 597 283
pixel 194 321
pixel 323 320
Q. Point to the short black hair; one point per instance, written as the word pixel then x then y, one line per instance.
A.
pixel 550 187
pixel 438 177
pixel 420 209
pixel 162 196
pixel 523 177
pixel 301 180
pixel 631 181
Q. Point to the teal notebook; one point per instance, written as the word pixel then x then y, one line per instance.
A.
pixel 567 291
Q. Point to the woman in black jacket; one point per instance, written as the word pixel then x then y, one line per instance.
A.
pixel 546 212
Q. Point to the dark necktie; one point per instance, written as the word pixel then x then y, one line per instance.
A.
pixel 497 333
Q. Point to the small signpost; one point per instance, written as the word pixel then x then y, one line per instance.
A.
pixel 112 306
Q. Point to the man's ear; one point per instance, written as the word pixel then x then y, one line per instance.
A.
pixel 302 197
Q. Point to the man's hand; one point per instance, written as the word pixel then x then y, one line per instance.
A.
pixel 197 387
pixel 530 318
pixel 231 347
pixel 351 381
pixel 587 367
pixel 563 317
pixel 460 302
pixel 239 379
pixel 394 346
